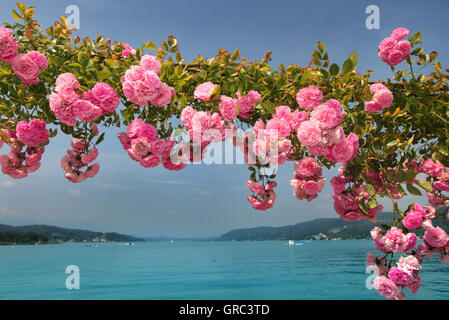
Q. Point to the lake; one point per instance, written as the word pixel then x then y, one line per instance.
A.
pixel 201 270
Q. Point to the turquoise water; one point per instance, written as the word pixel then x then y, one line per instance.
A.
pixel 200 270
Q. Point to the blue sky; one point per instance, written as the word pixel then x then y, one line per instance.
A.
pixel 203 200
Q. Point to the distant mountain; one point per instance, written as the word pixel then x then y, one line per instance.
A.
pixel 333 228
pixel 62 234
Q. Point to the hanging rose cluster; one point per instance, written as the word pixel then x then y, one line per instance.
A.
pixel 78 158
pixel 263 196
pixel 392 51
pixel 26 150
pixel 307 182
pixel 142 144
pixel 322 133
pixel 27 66
pixel 142 85
pixel 382 98
pixel 68 103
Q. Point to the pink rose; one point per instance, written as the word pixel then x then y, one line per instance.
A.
pixel 140 146
pixel 308 168
pixel 405 47
pixel 310 97
pixel 86 111
pixel 399 33
pixel 395 241
pixel 151 161
pixel 150 62
pixel 387 44
pixel 435 237
pixel 384 98
pixel 164 96
pixel 38 58
pixel 25 68
pixel 413 220
pixel 433 169
pixel 376 87
pixel 412 239
pixel 8 45
pixel 385 287
pixel 66 81
pixel 33 133
pixel 204 91
pixel 395 57
pixel 399 277
pixel 147 131
pixel 327 117
pixel 372 106
pixel 309 133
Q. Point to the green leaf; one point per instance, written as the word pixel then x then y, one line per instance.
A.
pixel 392 143
pixel 409 175
pixel 372 203
pixel 16 16
pixel 321 47
pixel 354 58
pixel 334 69
pixel 236 54
pixel 317 55
pixel 347 66
pixel 371 189
pixel 4 109
pixel 413 190
pixel 150 45
pixel 100 138
pixel 425 185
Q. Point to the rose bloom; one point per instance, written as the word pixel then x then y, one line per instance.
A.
pixel 409 264
pixel 327 117
pixel 384 98
pixel 204 91
pixel 310 97
pixel 385 287
pixel 399 277
pixel 395 57
pixel 150 62
pixel 151 161
pixel 395 240
pixel 399 33
pixel 372 106
pixel 25 68
pixel 433 169
pixel 413 220
pixel 309 133
pixel 8 45
pixel 228 108
pixel 33 133
pixel 308 168
pixel 435 237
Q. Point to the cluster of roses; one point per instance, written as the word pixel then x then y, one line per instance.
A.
pixel 382 98
pixel 346 200
pixel 20 162
pixel 440 174
pixel 128 50
pixel 392 51
pixel 203 128
pixel 406 274
pixel 307 182
pixel 78 158
pixel 68 104
pixel 229 107
pixel 142 144
pixel 263 197
pixel 141 84
pixel 27 66
pixel 322 133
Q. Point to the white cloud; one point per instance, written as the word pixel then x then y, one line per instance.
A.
pixel 103 185
pixel 6 184
pixel 75 193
